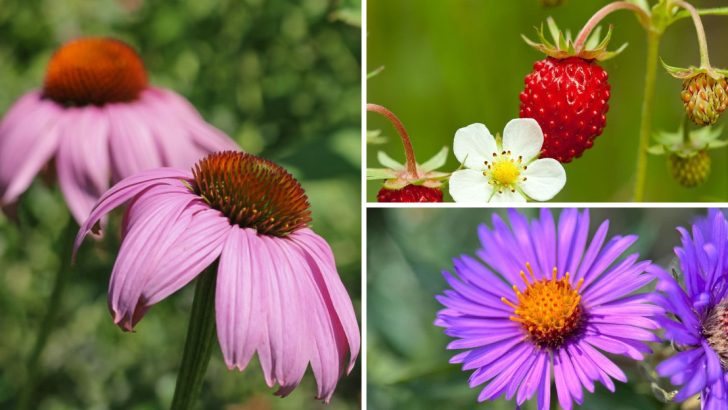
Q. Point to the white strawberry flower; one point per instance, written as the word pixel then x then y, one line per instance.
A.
pixel 504 170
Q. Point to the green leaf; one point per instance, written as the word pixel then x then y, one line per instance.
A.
pixel 435 162
pixel 388 162
pixel 375 72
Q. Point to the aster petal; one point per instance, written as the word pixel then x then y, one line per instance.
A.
pixel 503 364
pixel 603 363
pixel 475 273
pixel 126 190
pixel 131 142
pixel 580 370
pixel 532 381
pixel 523 138
pixel 29 135
pixel 499 384
pixel 592 251
pixel 562 388
pixel 520 375
pixel 678 362
pixel 693 384
pixel 544 390
pixel 473 145
pixel 544 178
pixel 470 186
pixel 83 160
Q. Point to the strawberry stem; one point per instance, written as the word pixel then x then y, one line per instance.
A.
pixel 648 100
pixel 702 41
pixel 642 15
pixel 409 152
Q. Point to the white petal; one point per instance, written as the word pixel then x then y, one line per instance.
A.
pixel 474 145
pixel 544 179
pixel 508 196
pixel 467 185
pixel 523 137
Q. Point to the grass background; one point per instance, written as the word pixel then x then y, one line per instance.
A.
pixel 283 79
pixel 451 63
pixel 407 363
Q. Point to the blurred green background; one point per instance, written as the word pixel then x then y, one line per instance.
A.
pixel 283 79
pixel 407 363
pixel 451 63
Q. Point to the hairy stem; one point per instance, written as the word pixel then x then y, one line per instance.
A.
pixel 653 48
pixel 409 152
pixel 64 245
pixel 702 41
pixel 642 15
pixel 199 342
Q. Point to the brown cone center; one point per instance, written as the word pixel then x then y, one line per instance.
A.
pixel 94 71
pixel 252 192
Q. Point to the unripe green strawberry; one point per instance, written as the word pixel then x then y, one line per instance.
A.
pixel 705 98
pixel 690 171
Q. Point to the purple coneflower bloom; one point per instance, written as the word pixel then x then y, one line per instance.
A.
pixel 100 120
pixel 698 325
pixel 278 291
pixel 574 301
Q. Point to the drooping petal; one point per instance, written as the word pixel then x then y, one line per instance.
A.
pixel 124 191
pixel 544 178
pixel 473 145
pixel 29 135
pixel 470 186
pixel 523 138
pixel 240 300
pixel 320 258
pixel 131 142
pixel 142 253
pixel 83 160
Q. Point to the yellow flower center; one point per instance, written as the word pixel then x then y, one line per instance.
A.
pixel 505 172
pixel 549 310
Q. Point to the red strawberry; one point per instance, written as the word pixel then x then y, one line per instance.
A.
pixel 569 99
pixel 410 193
pixel 568 93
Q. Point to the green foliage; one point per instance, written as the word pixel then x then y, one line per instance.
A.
pixel 283 79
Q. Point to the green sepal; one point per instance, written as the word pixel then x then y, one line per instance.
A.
pixel 380 173
pixel 692 71
pixel 375 137
pixel 704 138
pixel 562 46
pixel 388 161
pixel 435 162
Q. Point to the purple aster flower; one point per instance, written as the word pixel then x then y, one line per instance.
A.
pixel 697 320
pixel 98 120
pixel 544 303
pixel 278 292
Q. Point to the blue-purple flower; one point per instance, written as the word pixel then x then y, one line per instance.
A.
pixel 697 313
pixel 545 302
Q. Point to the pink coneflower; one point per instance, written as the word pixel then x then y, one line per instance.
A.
pixel 278 291
pixel 101 121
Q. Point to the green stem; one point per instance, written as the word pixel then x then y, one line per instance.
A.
pixel 64 245
pixel 718 11
pixel 653 48
pixel 199 342
pixel 702 41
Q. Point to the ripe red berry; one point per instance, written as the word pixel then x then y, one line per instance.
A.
pixel 410 193
pixel 569 99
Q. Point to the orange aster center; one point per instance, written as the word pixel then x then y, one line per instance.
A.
pixel 549 310
pixel 94 71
